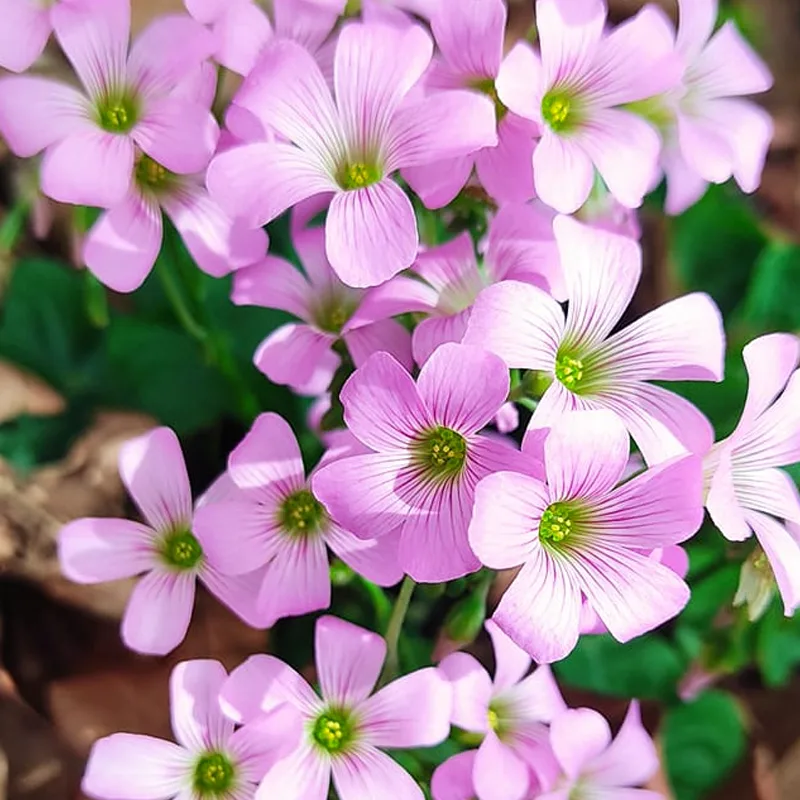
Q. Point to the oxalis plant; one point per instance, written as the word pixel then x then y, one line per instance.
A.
pixel 437 229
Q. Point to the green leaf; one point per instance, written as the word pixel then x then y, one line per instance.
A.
pixel 715 244
pixel 28 442
pixel 45 328
pixel 648 667
pixel 773 296
pixel 703 741
pixel 778 645
pixel 713 592
pixel 162 372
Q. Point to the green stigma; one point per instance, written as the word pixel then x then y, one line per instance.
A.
pixel 493 719
pixel 181 550
pixel 301 513
pixel 569 371
pixel 118 113
pixel 358 175
pixel 556 523
pixel 443 452
pixel 331 317
pixel 352 8
pixel 333 730
pixel 487 86
pixel 557 110
pixel 149 174
pixel 213 775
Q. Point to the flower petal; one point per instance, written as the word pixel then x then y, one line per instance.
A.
pixel 197 719
pixel 540 611
pixel 349 660
pixel 298 356
pixel 472 691
pixel 23 35
pixel 506 171
pixel 273 283
pixel 243 32
pixel 783 552
pixel 452 780
pixel 505 520
pixel 307 23
pixel 122 246
pixel 215 241
pixel 368 772
pixel 302 775
pixel 238 592
pixel 158 612
pixel 705 148
pixel 563 172
pixel 438 183
pixel 519 75
pixel 375 559
pixel 697 19
pixel 382 406
pixel 586 454
pixel 447 387
pixel 133 767
pixel 441 126
pixel 371 234
pixel 535 700
pixel 153 470
pixel 499 772
pixel 257 182
pixel 771 491
pixel 385 336
pixel 97 550
pixel 470 35
pixel 632 594
pixel 88 168
pixel 391 717
pixel 296 581
pixel 520 323
pixel 723 504
pixel 370 82
pixel 511 662
pixel 36 113
pixel 431 333
pixel 578 737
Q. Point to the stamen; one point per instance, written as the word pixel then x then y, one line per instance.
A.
pixel 333 730
pixel 181 550
pixel 556 523
pixel 442 452
pixel 569 371
pixel 118 113
pixel 557 110
pixel 213 775
pixel 301 514
pixel 358 175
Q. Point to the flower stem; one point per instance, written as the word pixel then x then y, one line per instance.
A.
pixel 177 300
pixel 392 667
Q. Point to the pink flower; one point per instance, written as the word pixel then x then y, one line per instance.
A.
pixel 578 536
pixel 275 521
pixel 596 767
pixel 301 354
pixel 453 780
pixel 520 247
pixel 241 28
pixel 682 340
pixel 747 492
pixel 123 245
pixel 164 548
pixel 426 456
pixel 510 712
pixel 345 730
pixel 470 37
pixel 577 93
pixel 712 134
pixel 24 33
pixel 351 146
pixel 132 100
pixel 210 759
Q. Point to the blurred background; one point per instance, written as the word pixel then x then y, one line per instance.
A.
pixel 82 370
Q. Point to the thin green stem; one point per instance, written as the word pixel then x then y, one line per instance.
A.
pixel 175 295
pixel 392 667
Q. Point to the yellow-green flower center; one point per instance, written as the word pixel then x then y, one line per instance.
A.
pixel 570 371
pixel 213 775
pixel 150 175
pixel 301 514
pixel 332 314
pixel 493 719
pixel 442 452
pixel 181 550
pixel 118 113
pixel 556 523
pixel 333 730
pixel 558 110
pixel 358 175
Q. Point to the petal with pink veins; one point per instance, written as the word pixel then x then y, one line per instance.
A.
pixel 517 80
pixel 433 332
pixel 273 283
pixel 511 662
pixel 294 355
pixel 499 774
pixel 506 171
pixel 783 552
pixel 438 183
pixel 197 720
pixel 376 559
pixel 242 33
pixel 302 775
pixel 384 336
pixel 367 772
pixel 578 737
pixel 472 691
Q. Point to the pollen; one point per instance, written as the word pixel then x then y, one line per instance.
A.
pixel 359 175
pixel 569 371
pixel 332 315
pixel 213 775
pixel 557 110
pixel 181 550
pixel 149 174
pixel 556 524
pixel 442 452
pixel 333 730
pixel 117 114
pixel 301 514
pixel 493 719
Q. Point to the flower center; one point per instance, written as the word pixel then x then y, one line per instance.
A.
pixel 556 523
pixel 149 174
pixel 181 550
pixel 487 86
pixel 333 730
pixel 358 175
pixel 569 371
pixel 213 775
pixel 493 719
pixel 332 314
pixel 442 452
pixel 557 110
pixel 301 513
pixel 118 113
